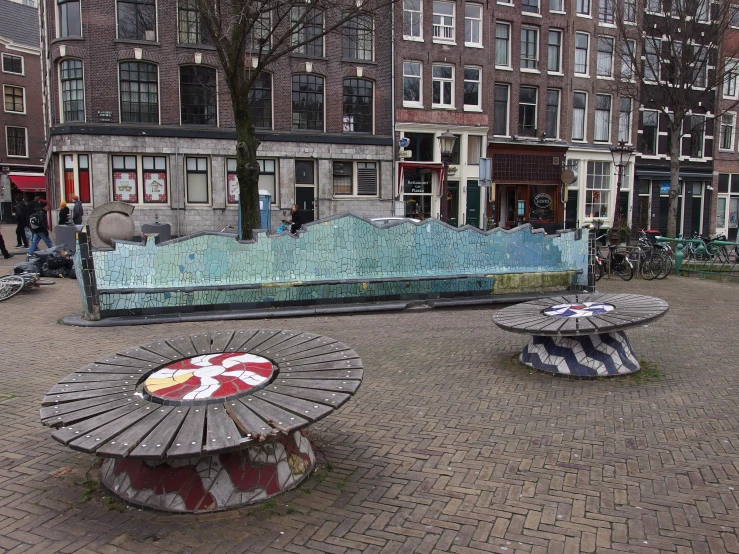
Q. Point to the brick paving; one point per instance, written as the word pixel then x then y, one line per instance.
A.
pixel 449 446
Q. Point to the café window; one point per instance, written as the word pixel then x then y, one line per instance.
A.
pixel 421 146
pixel 417 192
pixel 267 179
pixel 355 178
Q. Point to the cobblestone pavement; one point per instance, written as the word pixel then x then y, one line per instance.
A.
pixel 449 446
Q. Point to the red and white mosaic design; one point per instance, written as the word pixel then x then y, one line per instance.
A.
pixel 209 376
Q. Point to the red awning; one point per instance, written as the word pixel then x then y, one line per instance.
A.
pixel 434 166
pixel 29 183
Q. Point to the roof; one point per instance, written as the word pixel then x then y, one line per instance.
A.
pixel 19 24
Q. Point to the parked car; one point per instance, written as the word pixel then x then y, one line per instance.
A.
pixel 386 220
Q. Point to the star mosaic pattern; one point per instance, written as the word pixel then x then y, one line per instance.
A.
pixel 209 376
pixel 582 309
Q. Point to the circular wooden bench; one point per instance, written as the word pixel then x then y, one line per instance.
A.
pixel 583 334
pixel 204 422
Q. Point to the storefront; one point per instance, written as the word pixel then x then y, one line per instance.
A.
pixel 727 205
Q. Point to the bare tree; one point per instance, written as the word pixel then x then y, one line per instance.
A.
pixel 249 35
pixel 677 65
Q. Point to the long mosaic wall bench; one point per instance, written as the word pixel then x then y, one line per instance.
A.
pixel 340 259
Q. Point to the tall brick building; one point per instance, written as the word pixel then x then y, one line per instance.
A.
pixel 22 130
pixel 139 113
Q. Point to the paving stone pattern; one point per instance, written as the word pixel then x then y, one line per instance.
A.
pixel 449 446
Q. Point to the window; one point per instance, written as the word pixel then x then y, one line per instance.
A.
pixel 605 11
pixel 650 124
pixel 196 180
pixel 260 100
pixel 307 99
pixel 355 178
pixel 598 190
pixel 70 24
pixel 602 118
pixel 474 148
pixel 421 146
pixel 76 175
pixel 700 66
pixel 73 90
pixel 529 48
pixel 629 11
pixel 503 44
pixel 198 102
pixel 15 99
pixel 654 6
pixel 527 111
pixel 552 123
pixel 139 93
pixel 137 19
pixel 530 6
pixel 652 47
pixel 473 25
pixel 734 16
pixel 604 66
pixel 411 83
pixel 443 21
pixel 472 80
pixel 413 19
pixel 678 8
pixel 556 6
pixel 358 105
pixel 583 7
pixel 260 36
pixel 554 53
pixel 155 179
pixel 125 179
pixel 579 106
pixel 627 59
pixel 16 141
pixel 267 179
pixel 309 28
pixel 442 86
pixel 190 28
pixel 358 38
pixel 582 43
pixel 702 10
pixel 500 120
pixel 730 78
pixel 727 131
pixel 12 64
pixel 694 125
pixel 624 120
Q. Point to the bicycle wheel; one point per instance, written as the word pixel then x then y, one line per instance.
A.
pixel 623 268
pixel 598 270
pixel 667 268
pixel 10 286
pixel 44 281
pixel 650 268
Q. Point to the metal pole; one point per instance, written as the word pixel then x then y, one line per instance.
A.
pixel 614 236
pixel 445 189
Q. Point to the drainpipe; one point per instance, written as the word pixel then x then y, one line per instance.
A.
pixel 392 105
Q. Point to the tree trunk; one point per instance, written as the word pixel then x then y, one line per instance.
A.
pixel 247 168
pixel 675 139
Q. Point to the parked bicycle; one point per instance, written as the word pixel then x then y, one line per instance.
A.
pixel 654 259
pixel 615 262
pixel 707 251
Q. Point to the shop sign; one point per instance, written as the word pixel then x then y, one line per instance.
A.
pixel 417 182
pixel 542 200
pixel 664 188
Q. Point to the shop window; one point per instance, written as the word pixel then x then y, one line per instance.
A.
pixel 76 177
pixel 552 123
pixel 602 118
pixel 412 84
pixel 190 25
pixel 70 24
pixel 413 19
pixel 196 180
pixel 358 39
pixel 198 98
pixel 73 90
pixel 529 48
pixel 598 190
pixel 358 105
pixel 16 141
pixel 137 19
pixel 355 178
pixel 473 25
pixel 307 103
pixel 421 146
pixel 417 192
pixel 309 25
pixel 474 149
pixel 125 179
pixel 472 81
pixel 502 44
pixel 605 57
pixel 260 100
pixel 13 64
pixel 500 118
pixel 527 111
pixel 579 106
pixel 139 93
pixel 443 21
pixel 648 138
pixel 155 179
pixel 442 83
pixel 582 46
pixel 267 179
pixel 15 99
pixel 554 51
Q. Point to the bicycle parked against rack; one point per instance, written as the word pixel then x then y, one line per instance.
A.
pixel 708 251
pixel 654 259
pixel 617 263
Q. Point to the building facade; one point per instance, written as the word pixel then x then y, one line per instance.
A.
pixel 22 135
pixel 139 113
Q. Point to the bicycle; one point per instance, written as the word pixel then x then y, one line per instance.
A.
pixel 655 261
pixel 10 285
pixel 617 263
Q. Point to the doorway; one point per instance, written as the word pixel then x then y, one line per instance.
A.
pixel 473 204
pixel 507 216
pixel 305 190
pixel 453 203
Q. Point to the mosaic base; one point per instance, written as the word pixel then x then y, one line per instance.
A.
pixel 212 483
pixel 589 356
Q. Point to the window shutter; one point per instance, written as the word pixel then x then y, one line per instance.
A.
pixel 367 179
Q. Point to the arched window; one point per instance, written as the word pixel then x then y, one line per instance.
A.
pixel 198 102
pixel 260 100
pixel 358 104
pixel 307 95
pixel 73 90
pixel 139 93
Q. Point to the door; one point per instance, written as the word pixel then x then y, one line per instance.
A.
pixel 571 212
pixel 305 189
pixel 473 204
pixel 453 203
pixel 508 206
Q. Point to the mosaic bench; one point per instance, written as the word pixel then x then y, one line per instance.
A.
pixel 581 335
pixel 204 422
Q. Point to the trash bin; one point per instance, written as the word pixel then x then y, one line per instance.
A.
pixel 265 201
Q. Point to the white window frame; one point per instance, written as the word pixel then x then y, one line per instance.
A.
pixel 140 190
pixel 442 27
pixel 587 55
pixel 84 94
pixel 7 146
pixel 585 3
pixel 557 71
pixel 562 2
pixel 509 66
pixel 442 80
pixel 722 148
pixel 273 200
pixel 598 57
pixel 656 133
pixel 25 105
pixel 474 20
pixel 413 103
pixel 658 43
pixel 537 59
pixel 418 38
pixel 601 22
pixel 584 118
pixel 687 134
pixel 355 180
pixel 508 110
pixel 731 80
pixel 649 6
pixel 734 16
pixel 537 13
pixel 76 174
pixel 536 107
pixel 609 121
pixel 473 107
pixel 605 173
pixel 627 60
pixel 23 64
pixel 625 120
pixel 208 181
pixel 634 4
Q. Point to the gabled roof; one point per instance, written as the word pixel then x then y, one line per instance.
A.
pixel 19 24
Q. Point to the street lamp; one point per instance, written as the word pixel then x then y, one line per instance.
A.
pixel 446 146
pixel 621 154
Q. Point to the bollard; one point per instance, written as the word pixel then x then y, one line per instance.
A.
pixel 678 255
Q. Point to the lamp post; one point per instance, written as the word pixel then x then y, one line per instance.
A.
pixel 621 154
pixel 446 146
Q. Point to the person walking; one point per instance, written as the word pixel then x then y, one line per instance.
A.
pixel 31 207
pixel 63 213
pixel 77 211
pixel 295 214
pixel 21 216
pixel 39 227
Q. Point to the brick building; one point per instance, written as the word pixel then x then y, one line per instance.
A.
pixel 139 112
pixel 22 117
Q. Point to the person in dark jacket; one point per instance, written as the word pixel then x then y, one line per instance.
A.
pixel 63 213
pixel 42 231
pixel 21 216
pixel 77 211
pixel 4 250
pixel 295 213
